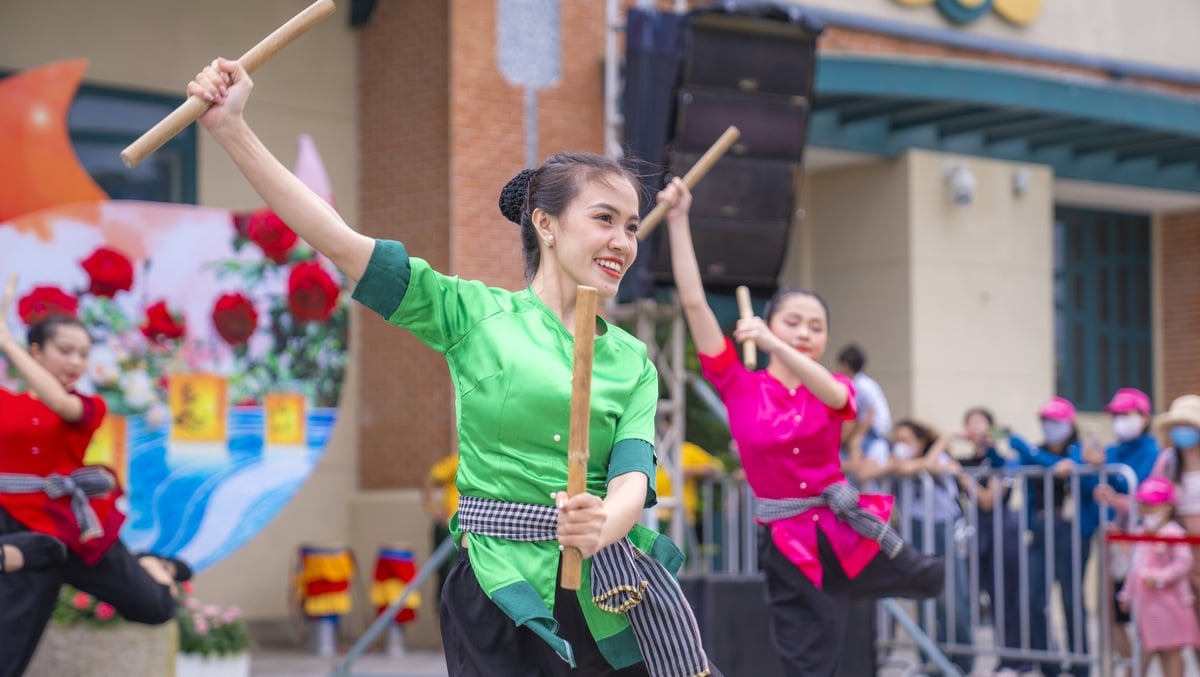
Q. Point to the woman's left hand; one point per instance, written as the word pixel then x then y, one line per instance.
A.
pixel 580 521
pixel 756 329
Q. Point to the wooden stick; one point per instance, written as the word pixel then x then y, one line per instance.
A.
pixel 10 290
pixel 581 410
pixel 749 350
pixel 191 110
pixel 693 176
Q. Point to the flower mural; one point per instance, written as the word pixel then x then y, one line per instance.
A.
pixel 219 338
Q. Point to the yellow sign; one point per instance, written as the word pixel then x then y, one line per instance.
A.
pixel 198 407
pixel 285 418
pixel 108 446
pixel 1019 12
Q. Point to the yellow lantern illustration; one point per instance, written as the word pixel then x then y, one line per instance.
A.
pixel 109 446
pixel 285 416
pixel 199 407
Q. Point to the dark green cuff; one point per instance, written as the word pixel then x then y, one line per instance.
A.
pixel 634 456
pixel 385 281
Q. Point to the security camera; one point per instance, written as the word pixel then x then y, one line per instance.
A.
pixel 962 184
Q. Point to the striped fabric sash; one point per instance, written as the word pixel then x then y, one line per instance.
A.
pixel 624 580
pixel 79 485
pixel 842 499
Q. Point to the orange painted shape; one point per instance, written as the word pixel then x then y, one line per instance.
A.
pixel 38 167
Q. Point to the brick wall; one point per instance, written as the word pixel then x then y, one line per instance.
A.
pixel 442 132
pixel 406 409
pixel 1180 275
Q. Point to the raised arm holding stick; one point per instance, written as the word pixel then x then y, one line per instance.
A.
pixel 578 220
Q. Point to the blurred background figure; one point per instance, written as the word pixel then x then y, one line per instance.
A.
pixel 865 439
pixel 440 498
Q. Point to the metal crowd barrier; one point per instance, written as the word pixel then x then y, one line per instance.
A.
pixel 956 529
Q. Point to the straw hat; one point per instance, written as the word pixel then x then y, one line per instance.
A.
pixel 1185 410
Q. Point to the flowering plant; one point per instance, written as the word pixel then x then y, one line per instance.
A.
pixel 75 607
pixel 209 630
pixel 295 340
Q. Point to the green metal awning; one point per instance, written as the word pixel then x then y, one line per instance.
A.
pixel 1085 129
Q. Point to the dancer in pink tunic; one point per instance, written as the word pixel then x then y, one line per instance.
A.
pixel 823 544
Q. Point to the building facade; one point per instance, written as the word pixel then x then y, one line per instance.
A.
pixel 998 209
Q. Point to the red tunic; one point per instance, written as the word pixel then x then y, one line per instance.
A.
pixel 34 440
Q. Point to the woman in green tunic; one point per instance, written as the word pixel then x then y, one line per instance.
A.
pixel 510 357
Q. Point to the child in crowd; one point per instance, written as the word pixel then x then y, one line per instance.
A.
pixel 1157 587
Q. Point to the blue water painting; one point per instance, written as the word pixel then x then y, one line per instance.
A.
pixel 200 504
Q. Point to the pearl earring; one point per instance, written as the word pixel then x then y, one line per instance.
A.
pixel 549 241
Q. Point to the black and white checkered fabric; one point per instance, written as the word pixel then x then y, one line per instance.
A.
pixel 624 580
pixel 79 485
pixel 842 499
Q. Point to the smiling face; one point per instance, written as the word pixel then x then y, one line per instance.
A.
pixel 594 241
pixel 64 353
pixel 801 321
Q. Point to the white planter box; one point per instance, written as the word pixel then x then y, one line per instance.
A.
pixel 192 665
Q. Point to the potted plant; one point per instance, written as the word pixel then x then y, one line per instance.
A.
pixel 213 641
pixel 88 637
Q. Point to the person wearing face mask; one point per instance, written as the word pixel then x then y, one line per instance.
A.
pixel 1180 463
pixel 1138 449
pixel 918 449
pixel 1156 587
pixel 1069 516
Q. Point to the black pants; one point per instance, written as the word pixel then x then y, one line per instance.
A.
pixel 27 599
pixel 808 625
pixel 481 641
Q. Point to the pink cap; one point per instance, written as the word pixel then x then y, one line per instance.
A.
pixel 1058 409
pixel 1127 400
pixel 1156 491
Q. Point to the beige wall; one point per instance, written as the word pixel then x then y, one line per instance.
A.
pixel 952 304
pixel 857 228
pixel 982 292
pixel 307 88
pixel 1158 32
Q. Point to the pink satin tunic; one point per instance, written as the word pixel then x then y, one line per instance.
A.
pixel 788 441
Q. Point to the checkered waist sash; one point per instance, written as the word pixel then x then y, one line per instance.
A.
pixel 842 499
pixel 79 485
pixel 625 580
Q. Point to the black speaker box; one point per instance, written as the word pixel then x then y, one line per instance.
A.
pixel 742 188
pixel 772 126
pixel 735 626
pixel 741 53
pixel 735 623
pixel 731 252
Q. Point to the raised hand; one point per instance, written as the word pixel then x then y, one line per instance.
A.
pixel 226 85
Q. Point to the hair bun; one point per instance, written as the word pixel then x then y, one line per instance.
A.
pixel 512 198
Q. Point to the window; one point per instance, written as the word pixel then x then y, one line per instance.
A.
pixel 102 121
pixel 1101 304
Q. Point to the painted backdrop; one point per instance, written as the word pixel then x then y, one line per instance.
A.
pixel 220 338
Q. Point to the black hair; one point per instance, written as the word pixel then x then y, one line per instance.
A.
pixel 551 188
pixel 924 433
pixel 853 356
pixel 772 306
pixel 47 329
pixel 982 411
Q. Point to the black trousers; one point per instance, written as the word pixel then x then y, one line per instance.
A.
pixel 27 599
pixel 808 625
pixel 481 641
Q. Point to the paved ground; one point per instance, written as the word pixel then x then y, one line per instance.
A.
pixel 275 662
